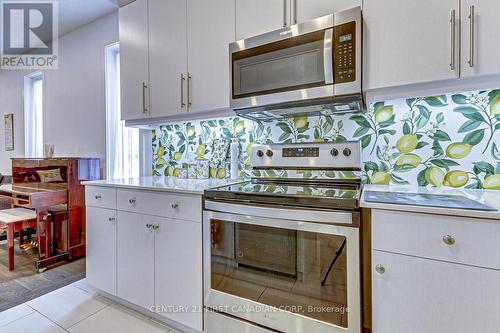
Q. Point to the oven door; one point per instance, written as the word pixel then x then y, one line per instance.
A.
pixel 281 269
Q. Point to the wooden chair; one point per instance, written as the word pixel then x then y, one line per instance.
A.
pixel 16 220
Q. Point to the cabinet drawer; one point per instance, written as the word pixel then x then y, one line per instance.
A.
pixel 172 205
pixel 104 197
pixel 471 241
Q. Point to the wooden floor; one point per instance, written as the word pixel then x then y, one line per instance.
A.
pixel 25 283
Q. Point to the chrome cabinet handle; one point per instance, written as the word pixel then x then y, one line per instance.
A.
pixel 189 97
pixel 156 227
pixel 175 205
pixel 98 197
pixel 183 79
pixel 149 226
pixel 448 240
pixel 284 14
pixel 452 36
pixel 294 11
pixel 380 269
pixel 144 108
pixel 472 32
pixel 112 219
pixel 131 201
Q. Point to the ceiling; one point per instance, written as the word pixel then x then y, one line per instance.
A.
pixel 76 13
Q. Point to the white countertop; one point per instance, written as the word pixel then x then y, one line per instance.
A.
pixel 167 184
pixel 488 197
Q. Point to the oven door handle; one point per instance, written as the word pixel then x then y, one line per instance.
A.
pixel 328 56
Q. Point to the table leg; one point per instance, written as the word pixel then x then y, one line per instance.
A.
pixel 21 238
pixel 10 241
pixel 43 232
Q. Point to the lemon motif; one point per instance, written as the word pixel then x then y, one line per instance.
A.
pixel 300 122
pixel 200 151
pixel 177 156
pixel 435 176
pixel 492 182
pixel 176 172
pixel 161 152
pixel 221 173
pixel 456 178
pixel 213 172
pixel 409 159
pixel 458 150
pixel 381 178
pixel 239 127
pixel 319 140
pixel 170 170
pixel 191 131
pixel 407 143
pixel 384 114
pixel 495 106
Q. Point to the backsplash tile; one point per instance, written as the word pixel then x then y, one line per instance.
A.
pixel 446 140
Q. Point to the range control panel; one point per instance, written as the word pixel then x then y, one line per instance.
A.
pixel 331 155
pixel 344 55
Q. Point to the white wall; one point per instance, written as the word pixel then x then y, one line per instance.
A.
pixel 74 105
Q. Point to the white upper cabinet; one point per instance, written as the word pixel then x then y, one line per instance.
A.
pixel 134 61
pixel 481 53
pixel 167 56
pixel 305 10
pixel 211 27
pixel 409 41
pixel 251 20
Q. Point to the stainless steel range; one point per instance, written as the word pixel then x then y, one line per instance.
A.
pixel 282 250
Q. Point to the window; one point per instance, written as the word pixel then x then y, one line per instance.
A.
pixel 33 115
pixel 122 143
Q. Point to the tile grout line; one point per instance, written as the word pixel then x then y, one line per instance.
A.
pixel 93 314
pixel 65 330
pixel 10 322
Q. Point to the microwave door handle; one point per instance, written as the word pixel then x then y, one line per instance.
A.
pixel 328 56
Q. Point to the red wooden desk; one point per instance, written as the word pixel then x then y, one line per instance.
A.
pixel 38 196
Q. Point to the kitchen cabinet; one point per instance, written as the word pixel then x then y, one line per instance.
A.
pixel 135 264
pixel 305 10
pixel 410 41
pixel 181 286
pixel 439 274
pixel 134 60
pixel 167 56
pixel 251 20
pixel 421 295
pixel 145 247
pixel 210 29
pixel 101 248
pixel 479 32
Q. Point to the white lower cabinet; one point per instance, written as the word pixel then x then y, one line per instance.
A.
pixel 151 261
pixel 416 295
pixel 178 270
pixel 101 248
pixel 135 268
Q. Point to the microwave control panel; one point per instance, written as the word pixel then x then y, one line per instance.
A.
pixel 344 59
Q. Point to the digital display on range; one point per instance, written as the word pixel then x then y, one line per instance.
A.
pixel 301 152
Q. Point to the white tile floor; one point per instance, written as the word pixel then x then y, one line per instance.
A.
pixel 76 309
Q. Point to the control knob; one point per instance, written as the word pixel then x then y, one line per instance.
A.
pixel 269 153
pixel 347 152
pixel 334 152
pixel 260 153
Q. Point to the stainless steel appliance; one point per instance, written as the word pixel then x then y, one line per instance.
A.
pixel 281 251
pixel 308 68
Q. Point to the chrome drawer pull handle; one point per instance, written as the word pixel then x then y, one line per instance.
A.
pixel 175 205
pixel 149 226
pixel 156 227
pixel 111 219
pixel 380 269
pixel 131 201
pixel 97 197
pixel 448 240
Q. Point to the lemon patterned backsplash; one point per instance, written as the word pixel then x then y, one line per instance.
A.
pixel 447 140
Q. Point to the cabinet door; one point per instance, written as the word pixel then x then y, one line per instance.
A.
pixel 305 10
pixel 101 249
pixel 211 28
pixel 251 20
pixel 416 295
pixel 178 273
pixel 134 69
pixel 481 53
pixel 135 268
pixel 168 56
pixel 409 41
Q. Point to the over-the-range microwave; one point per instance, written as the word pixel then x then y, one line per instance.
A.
pixel 308 68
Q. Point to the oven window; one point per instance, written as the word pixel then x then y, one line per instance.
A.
pixel 292 64
pixel 300 272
